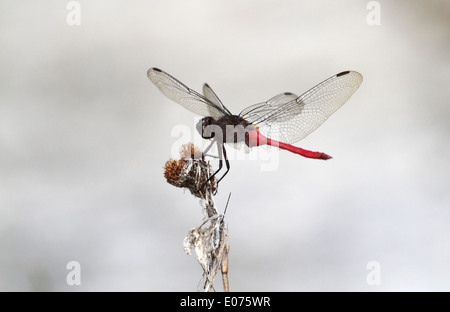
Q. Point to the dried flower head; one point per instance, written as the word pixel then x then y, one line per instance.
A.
pixel 190 172
pixel 172 169
pixel 190 151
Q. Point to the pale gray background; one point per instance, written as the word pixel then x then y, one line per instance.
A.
pixel 84 136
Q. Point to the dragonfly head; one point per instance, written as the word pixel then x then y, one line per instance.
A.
pixel 204 127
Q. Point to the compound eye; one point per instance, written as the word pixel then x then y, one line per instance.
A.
pixel 204 128
pixel 200 127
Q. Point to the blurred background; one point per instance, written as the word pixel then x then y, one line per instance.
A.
pixel 84 136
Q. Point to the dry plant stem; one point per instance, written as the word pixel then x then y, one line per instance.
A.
pixel 212 249
pixel 210 239
pixel 226 286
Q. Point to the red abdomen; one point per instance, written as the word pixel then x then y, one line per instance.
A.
pixel 255 138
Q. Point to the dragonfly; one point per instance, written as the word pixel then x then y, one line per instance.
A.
pixel 280 121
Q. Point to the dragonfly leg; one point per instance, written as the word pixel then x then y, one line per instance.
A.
pixel 227 163
pixel 220 148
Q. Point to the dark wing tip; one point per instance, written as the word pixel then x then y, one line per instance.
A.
pixel 343 73
pixel 288 93
pixel 152 70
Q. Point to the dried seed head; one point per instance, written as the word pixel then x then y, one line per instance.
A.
pixel 190 172
pixel 190 151
pixel 172 169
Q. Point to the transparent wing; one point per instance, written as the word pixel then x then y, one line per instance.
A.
pixel 290 120
pixel 263 108
pixel 178 92
pixel 212 96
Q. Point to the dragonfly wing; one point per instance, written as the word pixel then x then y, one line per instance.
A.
pixel 212 96
pixel 292 121
pixel 259 110
pixel 178 92
pixel 281 99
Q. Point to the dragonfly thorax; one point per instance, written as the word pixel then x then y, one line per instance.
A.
pixel 229 128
